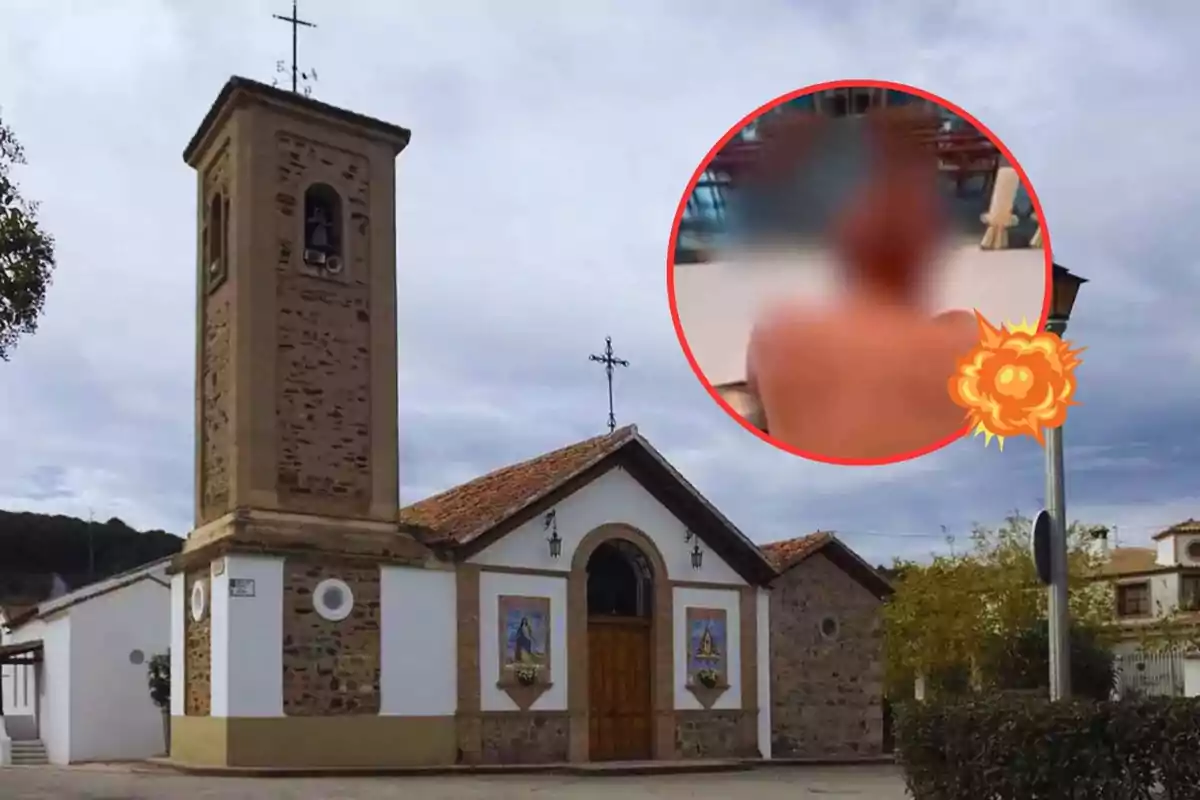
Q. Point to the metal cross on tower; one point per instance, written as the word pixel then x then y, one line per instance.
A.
pixel 609 361
pixel 295 21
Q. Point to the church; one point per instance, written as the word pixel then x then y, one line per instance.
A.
pixel 585 605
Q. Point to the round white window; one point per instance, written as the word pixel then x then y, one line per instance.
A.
pixel 198 601
pixel 333 599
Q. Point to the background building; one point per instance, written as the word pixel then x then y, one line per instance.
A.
pixel 74 672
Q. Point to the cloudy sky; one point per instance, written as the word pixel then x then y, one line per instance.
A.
pixel 551 143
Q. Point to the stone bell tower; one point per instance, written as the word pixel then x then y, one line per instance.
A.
pixel 275 597
pixel 296 347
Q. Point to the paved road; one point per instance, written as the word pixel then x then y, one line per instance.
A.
pixel 792 783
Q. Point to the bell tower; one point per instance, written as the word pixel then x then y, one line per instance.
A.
pixel 296 287
pixel 276 609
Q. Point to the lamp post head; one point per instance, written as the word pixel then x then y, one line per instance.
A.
pixel 554 540
pixel 1064 290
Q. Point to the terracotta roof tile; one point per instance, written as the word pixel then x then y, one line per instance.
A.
pixel 1189 525
pixel 788 553
pixel 1128 560
pixel 462 513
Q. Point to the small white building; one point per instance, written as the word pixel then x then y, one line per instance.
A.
pixel 74 674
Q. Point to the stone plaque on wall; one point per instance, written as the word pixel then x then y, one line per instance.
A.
pixel 707 648
pixel 524 628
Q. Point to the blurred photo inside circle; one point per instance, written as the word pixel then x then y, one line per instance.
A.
pixel 831 258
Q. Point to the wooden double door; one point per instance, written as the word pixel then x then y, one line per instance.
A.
pixel 620 714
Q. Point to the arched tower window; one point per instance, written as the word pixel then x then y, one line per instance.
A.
pixel 225 231
pixel 322 224
pixel 216 237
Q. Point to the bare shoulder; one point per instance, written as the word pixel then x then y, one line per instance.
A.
pixel 788 347
pixel 960 329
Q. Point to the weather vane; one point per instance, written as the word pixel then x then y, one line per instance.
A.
pixel 609 361
pixel 281 68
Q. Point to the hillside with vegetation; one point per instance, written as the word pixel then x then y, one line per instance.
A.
pixel 34 548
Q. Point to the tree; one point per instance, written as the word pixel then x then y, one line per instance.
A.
pixel 158 676
pixel 36 547
pixel 26 252
pixel 947 618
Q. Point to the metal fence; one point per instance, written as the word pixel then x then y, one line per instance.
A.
pixel 1150 674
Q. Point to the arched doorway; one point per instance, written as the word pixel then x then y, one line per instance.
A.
pixel 620 610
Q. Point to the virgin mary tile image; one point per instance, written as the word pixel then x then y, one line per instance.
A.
pixel 525 638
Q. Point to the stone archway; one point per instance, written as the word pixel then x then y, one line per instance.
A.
pixel 660 620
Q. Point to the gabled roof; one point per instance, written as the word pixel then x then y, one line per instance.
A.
pixel 1189 525
pixel 1130 561
pixel 790 553
pixel 461 514
pixel 10 611
pixel 470 517
pixel 154 570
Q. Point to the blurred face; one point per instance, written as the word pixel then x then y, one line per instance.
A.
pixel 889 230
pixel 869 188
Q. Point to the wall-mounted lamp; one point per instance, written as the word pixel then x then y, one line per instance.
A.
pixel 697 556
pixel 554 540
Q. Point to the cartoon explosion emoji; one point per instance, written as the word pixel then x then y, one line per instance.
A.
pixel 1018 381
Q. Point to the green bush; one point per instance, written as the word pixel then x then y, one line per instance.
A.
pixel 1008 747
pixel 1022 662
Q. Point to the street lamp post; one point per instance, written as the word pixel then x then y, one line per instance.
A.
pixel 1062 300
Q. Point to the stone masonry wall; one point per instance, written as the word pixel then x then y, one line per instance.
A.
pixel 216 376
pixel 323 357
pixel 216 373
pixel 709 734
pixel 197 656
pixel 826 692
pixel 330 668
pixel 525 738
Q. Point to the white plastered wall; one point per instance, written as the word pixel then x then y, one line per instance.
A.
pixel 491 586
pixel 419 624
pixel 247 637
pixel 730 601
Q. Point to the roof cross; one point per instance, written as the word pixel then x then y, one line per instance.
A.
pixel 296 23
pixel 609 361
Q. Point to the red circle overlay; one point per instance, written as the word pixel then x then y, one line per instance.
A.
pixel 742 123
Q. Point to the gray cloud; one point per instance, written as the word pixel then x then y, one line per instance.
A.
pixel 550 148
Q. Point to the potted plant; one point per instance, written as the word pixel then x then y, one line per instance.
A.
pixel 159 678
pixel 526 674
pixel 708 678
